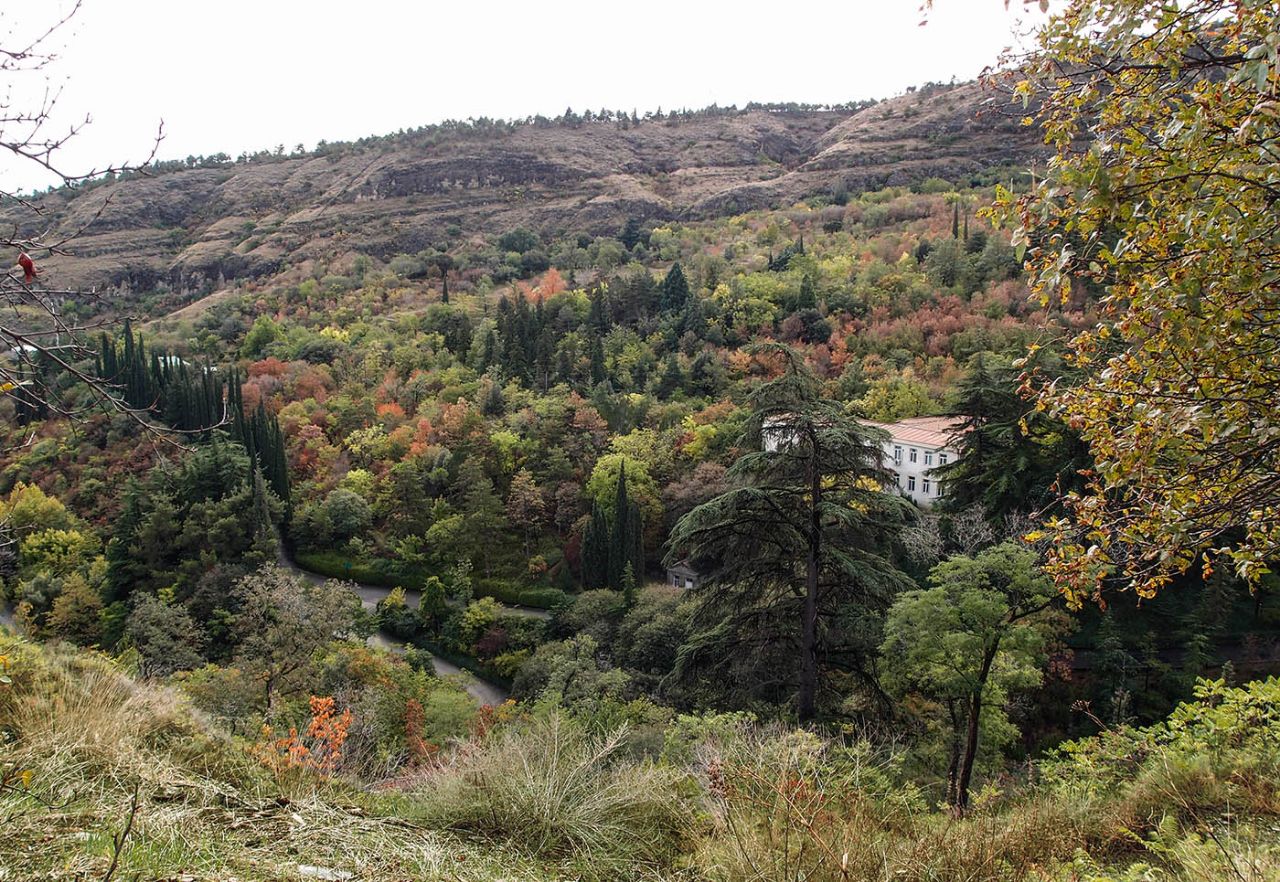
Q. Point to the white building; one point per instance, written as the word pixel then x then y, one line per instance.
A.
pixel 915 448
pixel 682 576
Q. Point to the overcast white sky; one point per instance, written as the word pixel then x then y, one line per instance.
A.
pixel 235 75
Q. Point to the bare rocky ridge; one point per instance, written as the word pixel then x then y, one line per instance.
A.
pixel 193 229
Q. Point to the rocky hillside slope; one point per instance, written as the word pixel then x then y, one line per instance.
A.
pixel 193 229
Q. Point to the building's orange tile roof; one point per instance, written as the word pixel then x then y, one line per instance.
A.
pixel 922 431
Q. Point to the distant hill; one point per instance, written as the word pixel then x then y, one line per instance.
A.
pixel 192 229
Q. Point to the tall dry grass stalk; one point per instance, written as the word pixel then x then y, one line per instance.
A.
pixel 558 792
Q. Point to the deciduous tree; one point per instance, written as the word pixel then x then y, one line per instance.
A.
pixel 282 621
pixel 1163 192
pixel 965 641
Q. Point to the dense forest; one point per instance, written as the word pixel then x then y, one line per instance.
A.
pixel 359 565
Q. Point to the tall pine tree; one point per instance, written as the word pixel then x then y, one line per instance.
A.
pixel 795 565
pixel 675 290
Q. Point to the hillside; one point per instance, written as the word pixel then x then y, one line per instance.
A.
pixel 188 230
pixel 103 776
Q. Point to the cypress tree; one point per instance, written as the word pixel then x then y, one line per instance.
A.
pixel 675 290
pixel 629 586
pixel 598 373
pixel 808 297
pixel 620 536
pixel 122 570
pixel 260 526
pixel 595 550
pixel 564 366
pixel 598 315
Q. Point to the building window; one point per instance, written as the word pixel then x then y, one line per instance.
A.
pixel 897 455
pixel 939 488
pixel 913 454
pixel 928 457
pixel 924 486
pixel 942 459
pixel 911 484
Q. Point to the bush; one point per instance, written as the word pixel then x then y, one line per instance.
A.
pixel 549 787
pixel 1218 752
pixel 395 617
pixel 467 663
pixel 514 595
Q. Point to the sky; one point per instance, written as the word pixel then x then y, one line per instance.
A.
pixel 245 75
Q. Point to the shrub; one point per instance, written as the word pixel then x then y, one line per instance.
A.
pixel 337 565
pixel 1217 753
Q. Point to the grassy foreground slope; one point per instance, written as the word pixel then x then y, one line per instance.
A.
pixel 547 796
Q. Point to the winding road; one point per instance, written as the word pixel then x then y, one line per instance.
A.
pixel 483 691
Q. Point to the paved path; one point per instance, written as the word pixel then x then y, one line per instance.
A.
pixel 371 594
pixel 481 690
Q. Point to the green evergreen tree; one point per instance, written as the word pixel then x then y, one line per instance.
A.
pixel 620 540
pixel 675 290
pixel 1011 457
pixel 628 586
pixel 808 296
pixel 795 566
pixel 595 550
pixel 672 379
pixel 598 372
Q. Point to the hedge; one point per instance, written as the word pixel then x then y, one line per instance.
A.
pixel 466 662
pixel 390 574
pixel 335 565
pixel 514 595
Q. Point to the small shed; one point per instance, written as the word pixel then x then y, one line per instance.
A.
pixel 681 575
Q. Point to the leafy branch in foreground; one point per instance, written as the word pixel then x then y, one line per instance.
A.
pixel 1165 121
pixel 43 348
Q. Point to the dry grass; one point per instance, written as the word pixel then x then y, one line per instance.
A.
pixel 561 794
pixel 542 798
pixel 88 734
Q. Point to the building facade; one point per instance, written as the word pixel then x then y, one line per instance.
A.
pixel 916 447
pixel 681 575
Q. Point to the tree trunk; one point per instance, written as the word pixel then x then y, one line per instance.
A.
pixel 953 762
pixel 809 623
pixel 971 737
pixel 271 696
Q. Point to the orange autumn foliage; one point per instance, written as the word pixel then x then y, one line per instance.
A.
pixel 551 284
pixel 390 410
pixel 420 749
pixel 318 749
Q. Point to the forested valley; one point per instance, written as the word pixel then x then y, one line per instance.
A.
pixel 555 547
